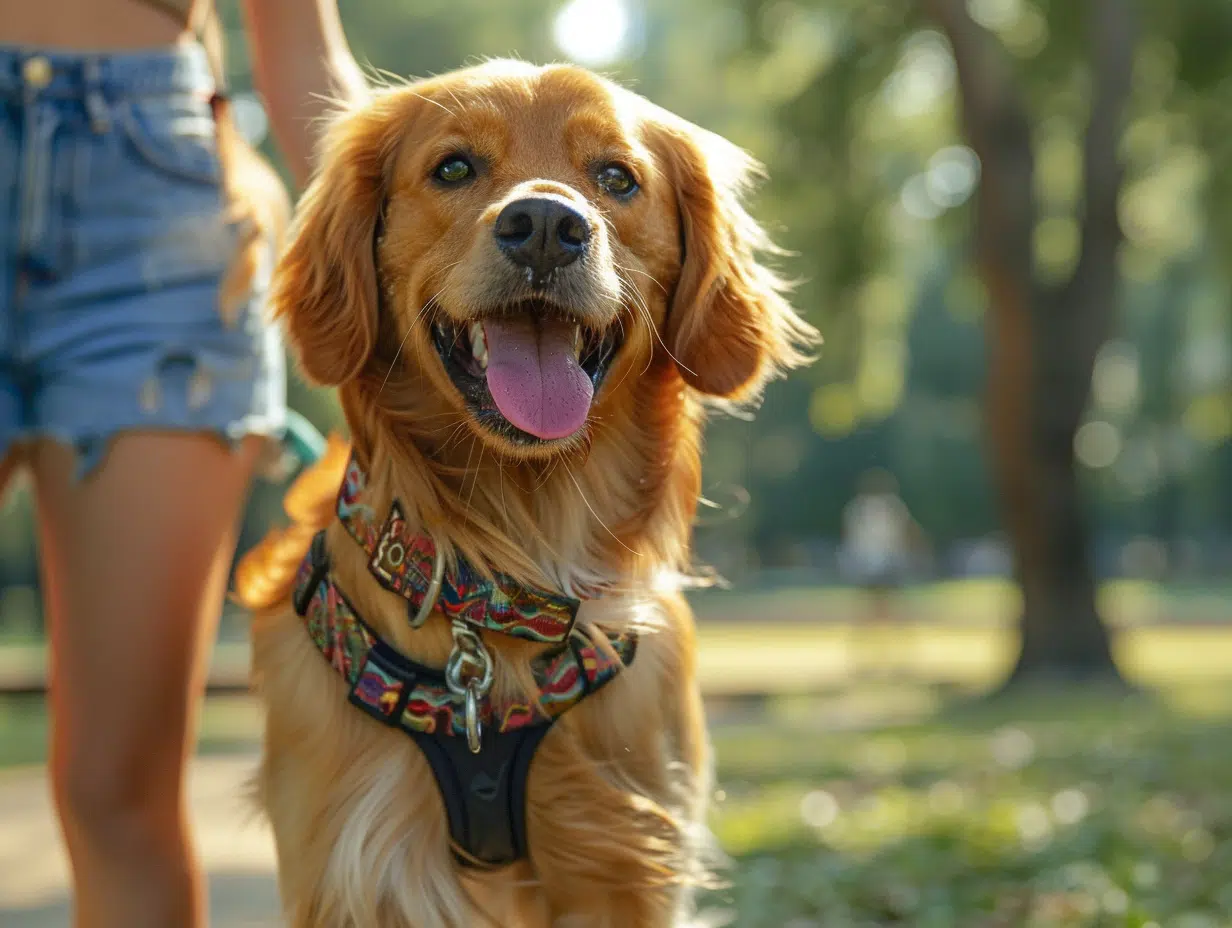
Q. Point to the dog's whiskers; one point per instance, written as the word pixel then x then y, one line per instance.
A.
pixel 569 471
pixel 460 427
pixel 423 310
pixel 547 474
pixel 453 425
pixel 635 270
pixel 394 362
pixel 475 480
pixel 500 473
pixel 428 304
pixel 639 303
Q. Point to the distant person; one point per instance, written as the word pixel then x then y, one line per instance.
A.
pixel 879 536
pixel 139 381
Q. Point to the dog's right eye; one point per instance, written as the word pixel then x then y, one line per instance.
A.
pixel 617 180
pixel 453 170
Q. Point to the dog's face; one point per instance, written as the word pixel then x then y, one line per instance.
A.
pixel 531 238
pixel 524 213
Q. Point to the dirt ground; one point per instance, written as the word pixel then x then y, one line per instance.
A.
pixel 235 846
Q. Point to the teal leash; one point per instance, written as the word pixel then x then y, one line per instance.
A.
pixel 303 439
pixel 302 445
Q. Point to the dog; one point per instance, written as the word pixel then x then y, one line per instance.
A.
pixel 530 286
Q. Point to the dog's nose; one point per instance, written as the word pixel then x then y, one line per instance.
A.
pixel 541 233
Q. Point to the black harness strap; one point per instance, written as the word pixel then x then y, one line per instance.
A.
pixel 484 792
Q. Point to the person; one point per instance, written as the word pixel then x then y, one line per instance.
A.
pixel 878 537
pixel 138 400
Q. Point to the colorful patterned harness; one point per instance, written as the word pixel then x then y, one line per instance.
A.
pixel 479 750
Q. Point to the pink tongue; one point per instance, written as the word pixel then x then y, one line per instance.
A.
pixel 534 377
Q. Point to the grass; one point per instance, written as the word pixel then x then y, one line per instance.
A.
pixel 794 655
pixel 900 801
pixel 966 602
pixel 1066 810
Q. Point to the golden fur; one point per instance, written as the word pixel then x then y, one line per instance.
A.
pixel 618 790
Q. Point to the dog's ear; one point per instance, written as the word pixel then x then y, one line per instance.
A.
pixel 729 326
pixel 325 284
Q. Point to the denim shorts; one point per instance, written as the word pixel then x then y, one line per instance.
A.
pixel 113 242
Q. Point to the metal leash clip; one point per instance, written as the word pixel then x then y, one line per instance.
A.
pixel 473 686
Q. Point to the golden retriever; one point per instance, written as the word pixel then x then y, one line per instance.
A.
pixel 528 285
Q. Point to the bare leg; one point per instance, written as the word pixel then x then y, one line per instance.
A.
pixel 870 642
pixel 135 562
pixel 881 636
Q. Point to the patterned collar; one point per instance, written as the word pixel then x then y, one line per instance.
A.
pixel 417 699
pixel 409 564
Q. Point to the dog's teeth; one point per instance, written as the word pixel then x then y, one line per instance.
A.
pixel 577 341
pixel 479 345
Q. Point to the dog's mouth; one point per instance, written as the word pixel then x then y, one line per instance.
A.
pixel 530 373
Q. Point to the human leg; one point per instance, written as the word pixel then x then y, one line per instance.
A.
pixel 135 562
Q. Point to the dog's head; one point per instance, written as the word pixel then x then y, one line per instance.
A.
pixel 526 242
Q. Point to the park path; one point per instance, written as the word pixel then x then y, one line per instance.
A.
pixel 236 848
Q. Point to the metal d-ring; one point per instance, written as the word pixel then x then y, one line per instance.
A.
pixel 433 593
pixel 474 727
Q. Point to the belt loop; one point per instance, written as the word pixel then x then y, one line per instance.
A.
pixel 96 101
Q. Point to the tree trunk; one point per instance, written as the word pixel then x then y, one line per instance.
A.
pixel 1160 409
pixel 1062 633
pixel 1042 341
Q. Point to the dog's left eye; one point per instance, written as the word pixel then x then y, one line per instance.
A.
pixel 453 170
pixel 616 180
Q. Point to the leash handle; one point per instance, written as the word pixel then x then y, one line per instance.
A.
pixel 303 439
pixel 302 445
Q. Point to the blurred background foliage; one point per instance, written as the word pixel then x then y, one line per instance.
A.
pixel 852 105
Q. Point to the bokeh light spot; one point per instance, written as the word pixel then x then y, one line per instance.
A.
pixel 1097 444
pixel 592 32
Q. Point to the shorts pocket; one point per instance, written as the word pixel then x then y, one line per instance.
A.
pixel 175 135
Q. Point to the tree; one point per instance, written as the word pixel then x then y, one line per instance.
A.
pixel 1101 149
pixel 1043 337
